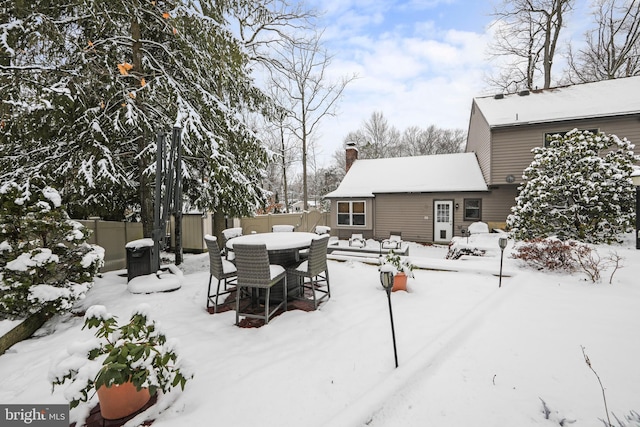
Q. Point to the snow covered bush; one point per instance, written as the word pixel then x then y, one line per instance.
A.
pixel 554 254
pixel 397 264
pixel 45 262
pixel 547 254
pixel 578 187
pixel 136 351
pixel 456 252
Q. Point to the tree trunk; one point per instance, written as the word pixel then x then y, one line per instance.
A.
pixel 219 225
pixel 284 170
pixel 144 189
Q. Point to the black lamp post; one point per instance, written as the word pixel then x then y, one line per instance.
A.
pixel 386 278
pixel 502 242
pixel 635 177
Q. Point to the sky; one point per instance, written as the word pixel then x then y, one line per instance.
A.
pixel 419 62
pixel 470 353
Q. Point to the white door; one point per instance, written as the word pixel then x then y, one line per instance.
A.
pixel 443 221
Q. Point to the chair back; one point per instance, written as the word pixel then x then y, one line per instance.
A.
pixel 322 229
pixel 230 233
pixel 215 260
pixel 252 262
pixel 283 227
pixel 395 236
pixel 318 255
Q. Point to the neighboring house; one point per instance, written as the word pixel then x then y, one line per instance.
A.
pixel 299 206
pixel 422 197
pixel 406 194
pixel 503 129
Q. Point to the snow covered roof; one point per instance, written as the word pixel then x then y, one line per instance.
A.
pixel 419 174
pixel 599 99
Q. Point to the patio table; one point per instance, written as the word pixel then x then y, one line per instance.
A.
pixel 283 249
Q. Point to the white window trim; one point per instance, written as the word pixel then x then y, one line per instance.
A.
pixel 351 202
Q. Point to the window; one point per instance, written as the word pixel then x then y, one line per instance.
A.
pixel 472 209
pixel 351 213
pixel 548 135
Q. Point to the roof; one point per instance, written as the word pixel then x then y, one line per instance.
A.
pixel 419 174
pixel 599 99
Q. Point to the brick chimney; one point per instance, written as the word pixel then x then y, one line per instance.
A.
pixel 351 154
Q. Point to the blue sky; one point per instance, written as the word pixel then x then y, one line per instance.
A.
pixel 419 62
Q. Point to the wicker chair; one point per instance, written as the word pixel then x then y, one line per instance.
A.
pixel 228 234
pixel 393 242
pixel 322 229
pixel 219 268
pixel 256 274
pixel 313 269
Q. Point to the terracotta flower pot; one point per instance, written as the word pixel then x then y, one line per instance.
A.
pixel 119 401
pixel 399 282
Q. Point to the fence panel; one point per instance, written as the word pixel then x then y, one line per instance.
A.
pixel 113 236
pixel 304 221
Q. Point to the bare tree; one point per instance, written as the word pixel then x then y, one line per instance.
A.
pixel 613 48
pixel 311 95
pixel 269 26
pixel 527 33
pixel 376 138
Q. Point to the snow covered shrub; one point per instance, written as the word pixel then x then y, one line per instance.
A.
pixel 45 262
pixel 456 252
pixel 457 248
pixel 547 254
pixel 136 351
pixel 578 187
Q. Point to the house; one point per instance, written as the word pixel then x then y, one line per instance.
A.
pixel 423 197
pixel 432 198
pixel 503 129
pixel 299 206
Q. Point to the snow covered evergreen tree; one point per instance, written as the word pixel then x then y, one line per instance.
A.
pixel 578 187
pixel 45 262
pixel 87 84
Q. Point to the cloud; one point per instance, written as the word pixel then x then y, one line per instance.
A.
pixel 411 66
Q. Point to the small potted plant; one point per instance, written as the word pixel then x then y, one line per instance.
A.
pixel 401 269
pixel 135 359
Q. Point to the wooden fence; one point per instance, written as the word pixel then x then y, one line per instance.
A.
pixel 302 221
pixel 114 235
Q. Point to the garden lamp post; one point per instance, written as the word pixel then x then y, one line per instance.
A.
pixel 635 177
pixel 502 242
pixel 386 278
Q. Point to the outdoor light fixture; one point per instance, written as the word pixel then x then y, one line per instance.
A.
pixel 386 279
pixel 502 242
pixel 635 177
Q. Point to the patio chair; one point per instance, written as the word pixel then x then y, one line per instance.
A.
pixel 219 268
pixel 393 242
pixel 357 240
pixel 283 228
pixel 322 229
pixel 256 274
pixel 313 269
pixel 228 234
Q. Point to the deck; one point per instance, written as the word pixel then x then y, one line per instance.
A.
pixel 373 248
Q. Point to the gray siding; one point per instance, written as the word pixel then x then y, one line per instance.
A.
pixel 409 213
pixel 479 140
pixel 412 213
pixel 344 232
pixel 512 146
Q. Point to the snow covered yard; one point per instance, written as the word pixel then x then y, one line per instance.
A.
pixel 469 353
